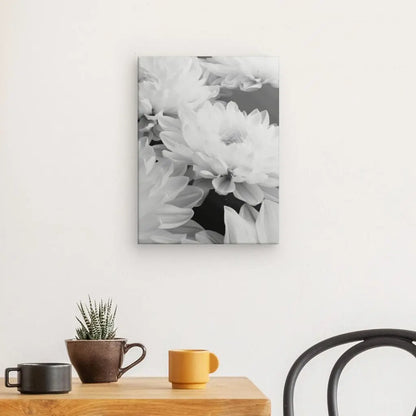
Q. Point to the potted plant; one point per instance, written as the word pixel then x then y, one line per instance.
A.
pixel 96 353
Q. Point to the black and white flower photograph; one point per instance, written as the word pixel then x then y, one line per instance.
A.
pixel 208 132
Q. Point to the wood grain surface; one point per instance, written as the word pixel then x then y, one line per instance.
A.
pixel 224 396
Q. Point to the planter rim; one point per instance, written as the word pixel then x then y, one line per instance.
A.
pixel 95 340
pixel 44 365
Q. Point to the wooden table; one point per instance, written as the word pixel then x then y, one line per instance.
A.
pixel 224 396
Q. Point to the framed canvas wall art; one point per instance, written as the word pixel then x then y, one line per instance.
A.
pixel 208 150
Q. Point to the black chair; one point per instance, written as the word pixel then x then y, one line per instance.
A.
pixel 372 338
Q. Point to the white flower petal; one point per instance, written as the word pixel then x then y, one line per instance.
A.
pixel 218 166
pixel 266 117
pixel 145 106
pixel 174 186
pixel 172 217
pixel 271 194
pixel 190 228
pixel 223 185
pixel 255 116
pixel 250 193
pixel 271 181
pixel 205 185
pixel 165 237
pixel 147 155
pixel 179 168
pixel 205 174
pixel 249 213
pixel 201 161
pixel 176 157
pixel 238 230
pixel 167 122
pixel 209 237
pixel 173 141
pixel 189 197
pixel 267 224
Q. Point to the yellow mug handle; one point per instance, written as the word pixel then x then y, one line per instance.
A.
pixel 213 362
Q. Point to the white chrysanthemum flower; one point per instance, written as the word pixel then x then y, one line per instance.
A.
pixel 246 73
pixel 251 226
pixel 165 198
pixel 167 83
pixel 235 152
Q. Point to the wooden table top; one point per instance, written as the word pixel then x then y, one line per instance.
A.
pixel 150 396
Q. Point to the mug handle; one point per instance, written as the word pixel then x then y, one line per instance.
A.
pixel 7 375
pixel 213 362
pixel 122 370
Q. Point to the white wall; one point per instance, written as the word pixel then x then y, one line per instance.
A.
pixel 348 197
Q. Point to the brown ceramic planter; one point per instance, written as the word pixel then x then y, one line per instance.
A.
pixel 100 361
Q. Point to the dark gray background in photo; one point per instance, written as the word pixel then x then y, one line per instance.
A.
pixel 266 98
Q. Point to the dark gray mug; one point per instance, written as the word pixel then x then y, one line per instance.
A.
pixel 41 378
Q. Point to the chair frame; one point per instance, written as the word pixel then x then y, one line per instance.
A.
pixel 372 338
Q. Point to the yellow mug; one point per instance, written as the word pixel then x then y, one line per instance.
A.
pixel 190 369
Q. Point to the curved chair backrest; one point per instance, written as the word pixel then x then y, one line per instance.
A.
pixel 372 338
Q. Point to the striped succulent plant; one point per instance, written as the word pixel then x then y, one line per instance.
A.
pixel 97 320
